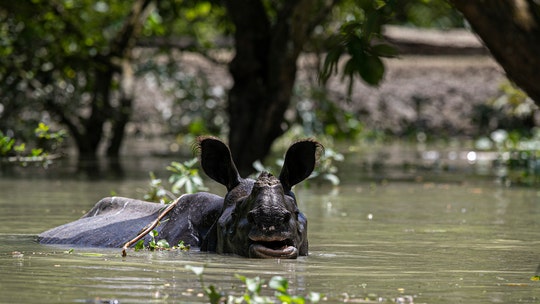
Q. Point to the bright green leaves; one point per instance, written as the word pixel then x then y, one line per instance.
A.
pixel 6 144
pixel 185 176
pixel 47 142
pixel 254 288
pixel 354 41
pixel 200 10
pixel 156 245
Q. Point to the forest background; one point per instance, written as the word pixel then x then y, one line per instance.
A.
pixel 253 70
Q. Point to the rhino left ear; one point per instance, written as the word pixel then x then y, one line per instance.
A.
pixel 299 162
pixel 217 163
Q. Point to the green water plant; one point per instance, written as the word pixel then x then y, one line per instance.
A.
pixel 517 156
pixel 158 245
pixel 47 142
pixel 184 178
pixel 253 291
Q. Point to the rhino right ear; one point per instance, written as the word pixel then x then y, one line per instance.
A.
pixel 217 163
pixel 300 161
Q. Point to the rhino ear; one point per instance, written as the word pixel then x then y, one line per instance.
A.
pixel 217 163
pixel 299 162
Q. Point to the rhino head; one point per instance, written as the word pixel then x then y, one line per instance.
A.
pixel 260 218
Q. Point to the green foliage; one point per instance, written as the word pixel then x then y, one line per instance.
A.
pixel 513 101
pixel 6 144
pixel 184 178
pixel 326 168
pixel 198 108
pixel 253 290
pixel 53 55
pixel 159 245
pixel 47 141
pixel 319 115
pixel 355 38
pixel 511 110
pixel 518 156
pixel 204 21
pixel 427 13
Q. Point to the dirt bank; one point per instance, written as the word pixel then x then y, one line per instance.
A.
pixel 435 93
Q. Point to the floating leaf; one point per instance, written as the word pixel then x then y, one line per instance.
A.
pixel 279 283
pixel 163 244
pixel 198 271
pixel 139 245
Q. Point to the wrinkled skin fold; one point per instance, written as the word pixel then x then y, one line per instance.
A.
pixel 256 218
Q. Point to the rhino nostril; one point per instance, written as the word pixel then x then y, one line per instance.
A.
pixel 286 216
pixel 250 217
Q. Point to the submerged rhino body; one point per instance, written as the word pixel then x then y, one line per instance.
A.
pixel 256 218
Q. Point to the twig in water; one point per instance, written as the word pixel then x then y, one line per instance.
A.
pixel 151 226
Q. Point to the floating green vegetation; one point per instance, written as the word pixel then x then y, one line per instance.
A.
pixel 159 245
pixel 253 291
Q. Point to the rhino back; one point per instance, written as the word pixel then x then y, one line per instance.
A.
pixel 110 223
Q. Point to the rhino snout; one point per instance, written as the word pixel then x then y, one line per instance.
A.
pixel 268 220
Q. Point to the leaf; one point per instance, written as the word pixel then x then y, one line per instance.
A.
pixel 213 295
pixel 279 283
pixel 198 271
pixel 254 284
pixel 315 297
pixel 384 50
pixel 332 179
pixel 20 148
pixel 139 245
pixel 36 152
pixel 372 71
pixel 163 244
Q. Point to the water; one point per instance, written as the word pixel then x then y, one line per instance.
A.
pixel 450 239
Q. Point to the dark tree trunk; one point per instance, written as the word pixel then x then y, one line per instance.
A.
pixel 122 115
pixel 88 132
pixel 511 31
pixel 264 71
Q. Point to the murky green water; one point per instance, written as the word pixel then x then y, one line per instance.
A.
pixel 442 242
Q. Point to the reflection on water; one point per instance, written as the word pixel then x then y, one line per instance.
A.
pixel 453 240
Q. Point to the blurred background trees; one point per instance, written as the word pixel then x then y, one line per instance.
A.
pixel 74 63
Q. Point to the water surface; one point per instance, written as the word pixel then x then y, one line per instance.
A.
pixel 448 241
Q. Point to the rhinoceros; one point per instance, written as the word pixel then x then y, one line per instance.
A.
pixel 257 218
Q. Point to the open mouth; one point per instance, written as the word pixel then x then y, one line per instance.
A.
pixel 282 249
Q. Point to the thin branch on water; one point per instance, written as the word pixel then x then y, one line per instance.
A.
pixel 151 227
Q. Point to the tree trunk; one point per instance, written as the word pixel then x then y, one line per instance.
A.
pixel 91 132
pixel 122 114
pixel 511 31
pixel 264 71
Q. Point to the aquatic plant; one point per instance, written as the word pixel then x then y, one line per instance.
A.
pixel 14 151
pixel 253 290
pixel 162 244
pixel 518 155
pixel 184 178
